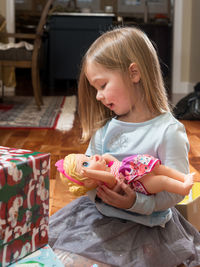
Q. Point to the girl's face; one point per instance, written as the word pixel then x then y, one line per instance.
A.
pixel 111 88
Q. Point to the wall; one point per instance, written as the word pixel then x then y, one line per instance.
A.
pixel 186 48
pixel 186 40
pixel 7 9
pixel 10 17
pixel 191 42
pixel 3 7
pixel 194 74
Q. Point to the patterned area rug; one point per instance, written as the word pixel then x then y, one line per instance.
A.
pixel 21 112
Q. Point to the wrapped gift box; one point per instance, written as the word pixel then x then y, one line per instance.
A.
pixel 24 203
pixel 190 206
pixel 42 257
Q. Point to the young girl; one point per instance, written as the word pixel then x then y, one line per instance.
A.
pixel 143 173
pixel 123 108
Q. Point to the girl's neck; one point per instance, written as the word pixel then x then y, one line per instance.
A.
pixel 139 111
pixel 138 115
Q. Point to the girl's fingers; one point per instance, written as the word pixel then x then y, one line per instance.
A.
pixel 117 187
pixel 104 191
pixel 115 199
pixel 126 188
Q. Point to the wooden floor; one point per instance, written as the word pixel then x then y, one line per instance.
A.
pixel 60 144
pixel 57 143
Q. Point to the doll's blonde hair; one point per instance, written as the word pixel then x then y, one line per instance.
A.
pixel 69 166
pixel 116 50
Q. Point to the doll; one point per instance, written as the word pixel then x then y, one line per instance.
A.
pixel 143 173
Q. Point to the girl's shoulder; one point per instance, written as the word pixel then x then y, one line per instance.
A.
pixel 173 135
pixel 171 124
pixel 166 125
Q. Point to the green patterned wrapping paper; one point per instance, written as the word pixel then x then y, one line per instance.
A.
pixel 24 202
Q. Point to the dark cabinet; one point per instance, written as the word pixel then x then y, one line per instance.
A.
pixel 69 38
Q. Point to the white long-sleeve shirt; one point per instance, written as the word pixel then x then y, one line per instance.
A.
pixel 162 137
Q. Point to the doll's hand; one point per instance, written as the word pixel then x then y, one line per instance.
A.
pixel 122 201
pixel 83 172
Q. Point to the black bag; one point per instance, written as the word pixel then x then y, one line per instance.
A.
pixel 188 108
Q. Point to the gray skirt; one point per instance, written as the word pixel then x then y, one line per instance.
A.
pixel 80 228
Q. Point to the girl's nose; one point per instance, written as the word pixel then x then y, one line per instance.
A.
pixel 99 96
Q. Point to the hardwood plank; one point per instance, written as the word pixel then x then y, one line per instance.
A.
pixel 192 127
pixel 51 194
pixel 193 132
pixel 61 196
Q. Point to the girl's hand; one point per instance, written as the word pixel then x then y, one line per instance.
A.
pixel 115 199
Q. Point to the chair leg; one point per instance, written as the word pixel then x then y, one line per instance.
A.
pixel 2 91
pixel 39 88
pixel 36 85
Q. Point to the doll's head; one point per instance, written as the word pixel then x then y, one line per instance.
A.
pixel 71 176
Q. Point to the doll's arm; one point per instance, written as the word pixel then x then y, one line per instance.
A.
pixel 109 158
pixel 102 176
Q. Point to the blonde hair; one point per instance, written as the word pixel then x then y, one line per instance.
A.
pixel 116 50
pixel 69 166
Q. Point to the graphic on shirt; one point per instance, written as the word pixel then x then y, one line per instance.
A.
pixel 116 141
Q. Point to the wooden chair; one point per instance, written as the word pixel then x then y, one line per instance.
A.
pixel 28 59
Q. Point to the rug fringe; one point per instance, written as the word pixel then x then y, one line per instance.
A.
pixel 67 115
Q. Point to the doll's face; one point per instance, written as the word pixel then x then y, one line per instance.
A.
pixel 95 162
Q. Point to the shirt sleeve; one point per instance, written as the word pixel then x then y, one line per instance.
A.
pixel 173 152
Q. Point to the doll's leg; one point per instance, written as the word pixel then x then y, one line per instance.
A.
pixel 172 173
pixel 157 183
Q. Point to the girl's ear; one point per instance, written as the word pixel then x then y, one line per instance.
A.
pixel 134 73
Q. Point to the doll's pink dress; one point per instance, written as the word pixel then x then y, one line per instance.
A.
pixel 133 168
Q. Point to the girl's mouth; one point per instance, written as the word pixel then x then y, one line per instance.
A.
pixel 110 106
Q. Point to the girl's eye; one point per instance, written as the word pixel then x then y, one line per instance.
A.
pixel 103 86
pixel 85 164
